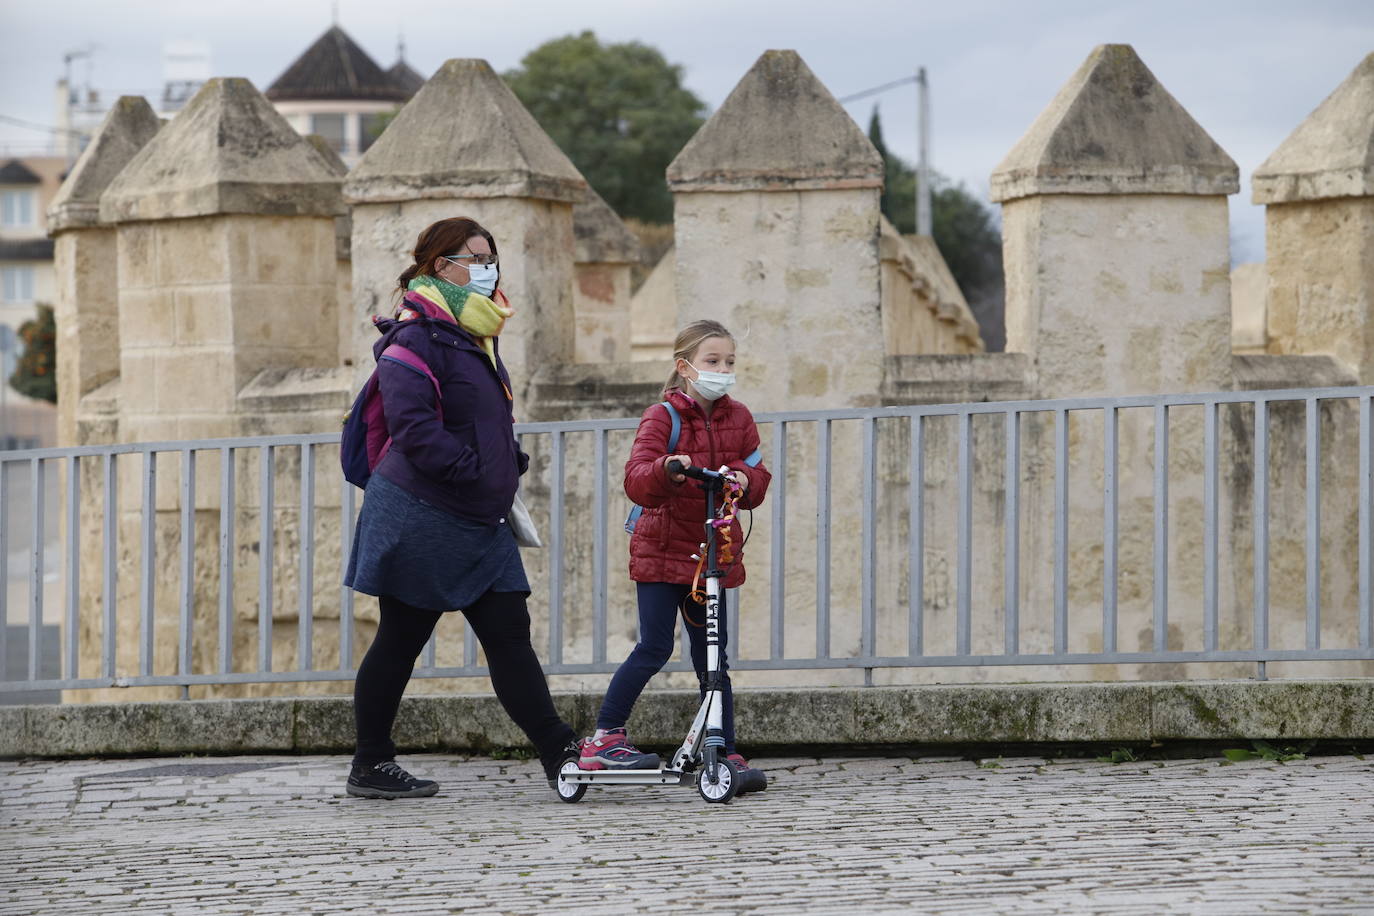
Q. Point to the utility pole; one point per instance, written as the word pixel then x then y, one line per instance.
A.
pixel 923 221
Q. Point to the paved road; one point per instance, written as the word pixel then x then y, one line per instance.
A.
pixel 278 835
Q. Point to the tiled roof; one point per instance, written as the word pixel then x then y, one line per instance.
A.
pixel 334 67
pixel 402 75
pixel 16 172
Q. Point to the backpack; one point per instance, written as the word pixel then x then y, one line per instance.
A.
pixel 365 441
pixel 633 518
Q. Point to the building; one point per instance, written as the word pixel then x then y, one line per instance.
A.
pixel 336 90
pixel 27 186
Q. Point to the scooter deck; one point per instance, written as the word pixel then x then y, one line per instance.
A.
pixel 663 777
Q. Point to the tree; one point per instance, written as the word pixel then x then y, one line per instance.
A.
pixel 964 228
pixel 619 111
pixel 35 375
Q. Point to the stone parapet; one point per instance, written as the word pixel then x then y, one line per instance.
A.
pixel 821 718
pixel 228 151
pixel 1113 129
pixel 780 129
pixel 1331 153
pixel 128 127
pixel 464 135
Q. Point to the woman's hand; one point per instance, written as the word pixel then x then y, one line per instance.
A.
pixel 686 462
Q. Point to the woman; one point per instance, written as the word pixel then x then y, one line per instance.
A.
pixel 433 534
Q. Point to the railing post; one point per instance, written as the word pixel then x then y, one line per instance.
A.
pixel 305 615
pixel 916 526
pixel 148 581
pixel 38 481
pixel 4 566
pixel 1109 528
pixel 964 525
pixel 1061 530
pixel 110 571
pixel 777 494
pixel 186 623
pixel 868 585
pixel 1261 522
pixel 227 517
pixel 599 559
pixel 1161 512
pixel 556 458
pixel 1011 574
pixel 73 617
pixel 266 530
pixel 823 538
pixel 1210 528
pixel 1314 524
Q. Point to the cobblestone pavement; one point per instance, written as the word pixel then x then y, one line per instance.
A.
pixel 932 835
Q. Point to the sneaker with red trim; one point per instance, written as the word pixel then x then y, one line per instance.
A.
pixel 613 751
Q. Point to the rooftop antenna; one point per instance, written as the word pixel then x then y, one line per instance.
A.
pixel 334 12
pixel 400 46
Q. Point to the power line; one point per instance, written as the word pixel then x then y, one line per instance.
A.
pixel 33 126
pixel 877 89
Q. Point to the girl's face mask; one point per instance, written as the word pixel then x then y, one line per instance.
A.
pixel 712 385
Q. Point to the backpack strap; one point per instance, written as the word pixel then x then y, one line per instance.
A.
pixel 676 431
pixel 404 356
pixel 673 435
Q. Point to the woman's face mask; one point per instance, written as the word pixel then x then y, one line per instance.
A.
pixel 482 278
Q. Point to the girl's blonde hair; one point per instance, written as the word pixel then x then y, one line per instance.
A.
pixel 689 339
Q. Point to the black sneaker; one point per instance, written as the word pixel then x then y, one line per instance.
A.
pixel 388 780
pixel 571 751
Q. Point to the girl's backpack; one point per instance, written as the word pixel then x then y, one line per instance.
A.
pixel 365 441
pixel 633 518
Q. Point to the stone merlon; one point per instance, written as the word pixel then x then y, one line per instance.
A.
pixel 1113 129
pixel 779 130
pixel 464 135
pixel 228 151
pixel 1331 153
pixel 600 235
pixel 128 127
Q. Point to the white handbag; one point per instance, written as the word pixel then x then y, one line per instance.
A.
pixel 526 535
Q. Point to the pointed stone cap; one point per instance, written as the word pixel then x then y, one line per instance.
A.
pixel 464 135
pixel 1331 153
pixel 330 155
pixel 1113 129
pixel 228 151
pixel 779 130
pixel 128 127
pixel 601 236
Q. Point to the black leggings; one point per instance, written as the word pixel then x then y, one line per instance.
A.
pixel 502 624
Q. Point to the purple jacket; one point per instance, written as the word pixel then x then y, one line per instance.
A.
pixel 468 465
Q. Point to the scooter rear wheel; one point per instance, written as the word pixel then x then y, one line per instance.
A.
pixel 570 791
pixel 725 786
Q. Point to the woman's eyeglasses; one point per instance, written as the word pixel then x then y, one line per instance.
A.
pixel 482 260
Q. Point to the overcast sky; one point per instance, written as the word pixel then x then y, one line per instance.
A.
pixel 1248 71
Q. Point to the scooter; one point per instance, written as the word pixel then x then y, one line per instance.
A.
pixel 701 759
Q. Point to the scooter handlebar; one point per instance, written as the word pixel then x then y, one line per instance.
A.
pixel 677 467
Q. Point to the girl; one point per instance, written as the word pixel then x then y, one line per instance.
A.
pixel 433 534
pixel 715 430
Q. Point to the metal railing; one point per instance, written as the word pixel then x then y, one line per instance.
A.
pixel 909 511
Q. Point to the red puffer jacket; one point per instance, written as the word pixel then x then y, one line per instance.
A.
pixel 670 529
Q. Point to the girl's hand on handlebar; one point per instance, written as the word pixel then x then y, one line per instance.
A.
pixel 742 479
pixel 686 462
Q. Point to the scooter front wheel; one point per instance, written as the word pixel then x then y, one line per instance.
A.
pixel 570 791
pixel 726 783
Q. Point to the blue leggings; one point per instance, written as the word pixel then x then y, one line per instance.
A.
pixel 658 613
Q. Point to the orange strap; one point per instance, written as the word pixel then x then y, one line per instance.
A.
pixel 724 523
